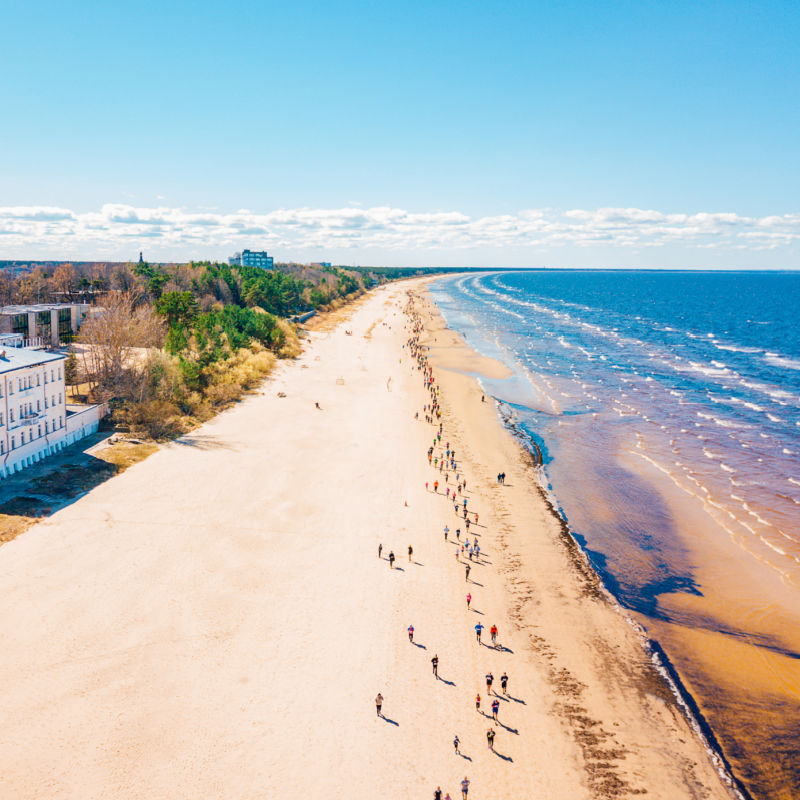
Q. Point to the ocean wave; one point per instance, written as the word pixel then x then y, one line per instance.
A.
pixel 723 423
pixel 781 361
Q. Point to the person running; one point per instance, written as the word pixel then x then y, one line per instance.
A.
pixel 478 703
pixel 466 523
pixel 489 682
pixel 435 665
pixel 379 703
pixel 380 550
pixel 469 599
pixel 411 633
pixel 504 683
pixel 493 633
pixel 391 559
pixel 458 534
pixel 446 531
pixel 436 486
pixel 410 552
pixel 458 549
pixel 495 708
pixel 464 788
pixel 490 738
pixel 470 551
pixel 476 517
pixel 437 795
pixel 456 742
pixel 478 631
pixel 466 578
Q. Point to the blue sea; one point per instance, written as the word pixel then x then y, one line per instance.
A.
pixel 667 409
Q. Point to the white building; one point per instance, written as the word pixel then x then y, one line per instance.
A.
pixel 34 419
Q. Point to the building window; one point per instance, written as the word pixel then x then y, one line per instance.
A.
pixel 52 374
pixel 60 423
pixel 38 405
pixel 19 324
pixel 39 431
pixel 2 448
pixel 11 414
pixel 59 373
pixel 45 377
pixel 59 397
pixel 1 418
pixel 37 378
pixel 13 443
pixel 46 428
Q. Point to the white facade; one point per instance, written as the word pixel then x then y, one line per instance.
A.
pixel 33 408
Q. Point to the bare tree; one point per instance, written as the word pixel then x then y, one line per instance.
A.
pixel 115 344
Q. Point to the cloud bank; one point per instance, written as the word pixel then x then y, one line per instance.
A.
pixel 118 231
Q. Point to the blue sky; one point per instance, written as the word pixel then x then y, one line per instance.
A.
pixel 636 134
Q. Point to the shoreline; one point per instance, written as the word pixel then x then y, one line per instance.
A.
pixel 728 635
pixel 531 457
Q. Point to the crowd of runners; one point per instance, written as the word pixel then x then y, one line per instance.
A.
pixel 451 484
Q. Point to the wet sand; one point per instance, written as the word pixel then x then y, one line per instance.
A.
pixel 215 622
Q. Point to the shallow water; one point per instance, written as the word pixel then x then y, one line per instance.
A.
pixel 667 408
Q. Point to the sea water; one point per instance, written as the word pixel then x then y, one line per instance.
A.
pixel 641 386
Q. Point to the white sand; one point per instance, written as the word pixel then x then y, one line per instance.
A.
pixel 215 622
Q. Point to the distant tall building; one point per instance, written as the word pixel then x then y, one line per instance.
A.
pixel 251 258
pixel 141 260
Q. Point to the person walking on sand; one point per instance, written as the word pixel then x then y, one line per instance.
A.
pixel 466 578
pixel 469 600
pixel 489 682
pixel 495 708
pixel 391 559
pixel 380 550
pixel 504 683
pixel 478 703
pixel 411 633
pixel 435 665
pixel 493 634
pixel 490 738
pixel 446 531
pixel 464 788
pixel 478 632
pixel 437 794
pixel 456 742
pixel 436 486
pixel 410 552
pixel 379 703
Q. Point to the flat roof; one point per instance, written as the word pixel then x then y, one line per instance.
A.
pixel 37 307
pixel 22 357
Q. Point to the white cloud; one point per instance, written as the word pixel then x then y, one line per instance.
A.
pixel 43 231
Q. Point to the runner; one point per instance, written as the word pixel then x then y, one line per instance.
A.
pixel 458 534
pixel 495 708
pixel 411 633
pixel 489 682
pixel 446 531
pixel 464 788
pixel 467 575
pixel 456 742
pixel 437 795
pixel 504 683
pixel 490 738
pixel 478 631
pixel 391 560
pixel 379 703
pixel 436 486
pixel 435 664
pixel 410 552
pixel 469 600
pixel 493 632
pixel 478 703
pixel 380 550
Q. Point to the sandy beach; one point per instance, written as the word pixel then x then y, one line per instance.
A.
pixel 216 621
